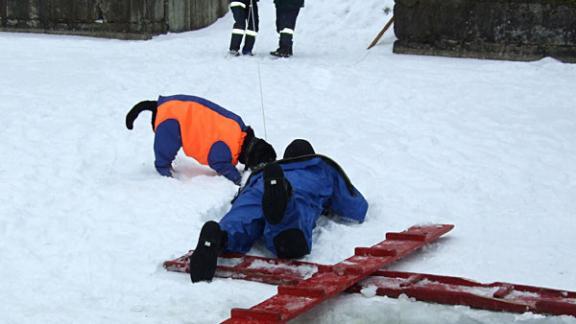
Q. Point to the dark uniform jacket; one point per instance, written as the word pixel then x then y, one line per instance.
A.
pixel 285 4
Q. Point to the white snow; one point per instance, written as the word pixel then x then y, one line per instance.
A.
pixel 85 221
pixel 304 271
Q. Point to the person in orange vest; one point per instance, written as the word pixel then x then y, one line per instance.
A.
pixel 205 131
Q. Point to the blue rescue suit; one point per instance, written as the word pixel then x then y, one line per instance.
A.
pixel 318 184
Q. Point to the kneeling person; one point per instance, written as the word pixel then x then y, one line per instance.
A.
pixel 205 131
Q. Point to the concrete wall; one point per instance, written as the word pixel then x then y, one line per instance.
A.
pixel 494 29
pixel 129 19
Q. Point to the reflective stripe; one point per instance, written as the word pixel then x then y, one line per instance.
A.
pixel 251 33
pixel 237 4
pixel 287 31
pixel 237 31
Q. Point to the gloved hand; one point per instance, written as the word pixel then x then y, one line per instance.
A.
pixel 166 171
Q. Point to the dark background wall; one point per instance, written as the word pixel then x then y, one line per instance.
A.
pixel 131 19
pixel 494 29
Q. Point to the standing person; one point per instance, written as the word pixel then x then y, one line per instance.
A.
pixel 205 131
pixel 246 21
pixel 286 14
pixel 279 204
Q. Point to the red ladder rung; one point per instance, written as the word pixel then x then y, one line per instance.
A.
pixel 302 291
pixel 412 280
pixel 254 315
pixel 503 291
pixel 376 252
pixel 406 237
pixel 555 307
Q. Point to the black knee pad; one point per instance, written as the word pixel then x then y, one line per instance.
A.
pixel 291 244
pixel 297 148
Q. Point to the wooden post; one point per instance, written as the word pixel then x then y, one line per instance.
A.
pixel 381 33
pixel 3 17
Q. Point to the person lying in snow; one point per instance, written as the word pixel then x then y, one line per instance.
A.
pixel 280 203
pixel 207 132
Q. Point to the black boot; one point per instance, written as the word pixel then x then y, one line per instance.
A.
pixel 285 46
pixel 205 257
pixel 249 41
pixel 291 244
pixel 235 42
pixel 282 52
pixel 277 192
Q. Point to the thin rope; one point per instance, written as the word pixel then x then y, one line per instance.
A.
pixel 262 103
pixel 253 16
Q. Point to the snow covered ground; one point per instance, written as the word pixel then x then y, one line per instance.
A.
pixel 85 221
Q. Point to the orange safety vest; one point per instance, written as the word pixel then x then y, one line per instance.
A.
pixel 201 127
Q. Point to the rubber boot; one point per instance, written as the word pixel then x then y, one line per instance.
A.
pixel 249 41
pixel 235 42
pixel 285 46
pixel 203 261
pixel 277 192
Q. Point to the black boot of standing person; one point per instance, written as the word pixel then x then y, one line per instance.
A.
pixel 286 14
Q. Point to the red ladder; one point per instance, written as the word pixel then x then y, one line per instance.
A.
pixel 293 300
pixel 447 290
pixel 497 296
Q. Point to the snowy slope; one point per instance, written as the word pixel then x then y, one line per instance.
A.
pixel 85 222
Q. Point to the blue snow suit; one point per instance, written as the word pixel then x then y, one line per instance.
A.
pixel 318 184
